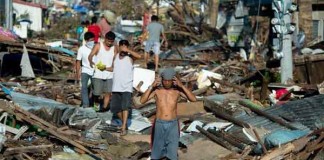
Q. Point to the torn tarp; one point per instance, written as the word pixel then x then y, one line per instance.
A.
pixel 74 115
pixel 26 67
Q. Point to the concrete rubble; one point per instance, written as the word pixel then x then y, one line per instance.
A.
pixel 242 112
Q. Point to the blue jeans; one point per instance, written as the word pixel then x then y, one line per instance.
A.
pixel 84 89
pixel 165 139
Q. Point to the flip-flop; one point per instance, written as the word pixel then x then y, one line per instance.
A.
pixel 123 132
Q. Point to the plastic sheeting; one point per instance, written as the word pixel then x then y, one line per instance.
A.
pixel 26 68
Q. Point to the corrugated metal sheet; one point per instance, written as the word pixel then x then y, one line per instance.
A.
pixel 306 114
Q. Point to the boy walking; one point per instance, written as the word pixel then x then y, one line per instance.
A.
pixel 123 83
pixel 86 70
pixel 166 128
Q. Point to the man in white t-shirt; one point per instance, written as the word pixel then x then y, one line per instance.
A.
pixel 103 73
pixel 86 71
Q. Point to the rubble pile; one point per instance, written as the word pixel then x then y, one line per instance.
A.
pixel 242 112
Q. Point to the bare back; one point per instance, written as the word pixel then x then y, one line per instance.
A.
pixel 166 103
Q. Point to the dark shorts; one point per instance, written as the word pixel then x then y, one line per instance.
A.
pixel 101 86
pixel 120 101
pixel 165 139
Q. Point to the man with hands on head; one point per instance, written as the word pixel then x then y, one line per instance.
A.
pixel 122 88
pixel 165 130
pixel 104 53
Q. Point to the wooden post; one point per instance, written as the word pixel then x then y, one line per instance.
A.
pixel 305 18
pixel 213 12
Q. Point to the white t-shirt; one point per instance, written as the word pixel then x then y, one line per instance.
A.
pixel 83 54
pixel 106 57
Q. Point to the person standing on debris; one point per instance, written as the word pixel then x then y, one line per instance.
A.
pixel 165 131
pixel 85 29
pixel 86 71
pixel 104 26
pixel 103 74
pixel 155 30
pixel 79 32
pixel 94 28
pixel 122 89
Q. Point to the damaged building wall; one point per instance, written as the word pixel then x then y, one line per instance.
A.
pixel 33 12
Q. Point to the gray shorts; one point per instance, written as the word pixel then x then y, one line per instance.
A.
pixel 155 46
pixel 120 101
pixel 165 138
pixel 101 86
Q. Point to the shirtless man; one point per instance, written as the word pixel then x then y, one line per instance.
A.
pixel 166 128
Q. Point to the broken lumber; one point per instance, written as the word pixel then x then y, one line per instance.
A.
pixel 311 147
pixel 259 140
pixel 28 149
pixel 248 104
pixel 35 120
pixel 227 138
pixel 225 116
pixel 294 146
pixel 214 138
pixel 241 88
pixel 287 148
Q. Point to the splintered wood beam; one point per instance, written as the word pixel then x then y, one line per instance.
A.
pixel 241 88
pixel 215 138
pixel 27 149
pixel 35 120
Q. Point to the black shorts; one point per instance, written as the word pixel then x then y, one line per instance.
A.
pixel 120 101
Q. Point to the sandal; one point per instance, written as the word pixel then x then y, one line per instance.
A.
pixel 123 132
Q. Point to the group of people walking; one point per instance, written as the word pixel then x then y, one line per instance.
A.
pixel 109 68
pixel 112 80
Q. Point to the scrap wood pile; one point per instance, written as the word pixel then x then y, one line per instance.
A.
pixel 57 89
pixel 187 24
pixel 220 115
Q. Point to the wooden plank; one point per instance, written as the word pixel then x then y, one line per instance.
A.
pixel 287 148
pixel 213 12
pixel 35 120
pixel 27 149
pixel 305 20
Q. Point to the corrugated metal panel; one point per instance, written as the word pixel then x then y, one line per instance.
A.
pixel 306 114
